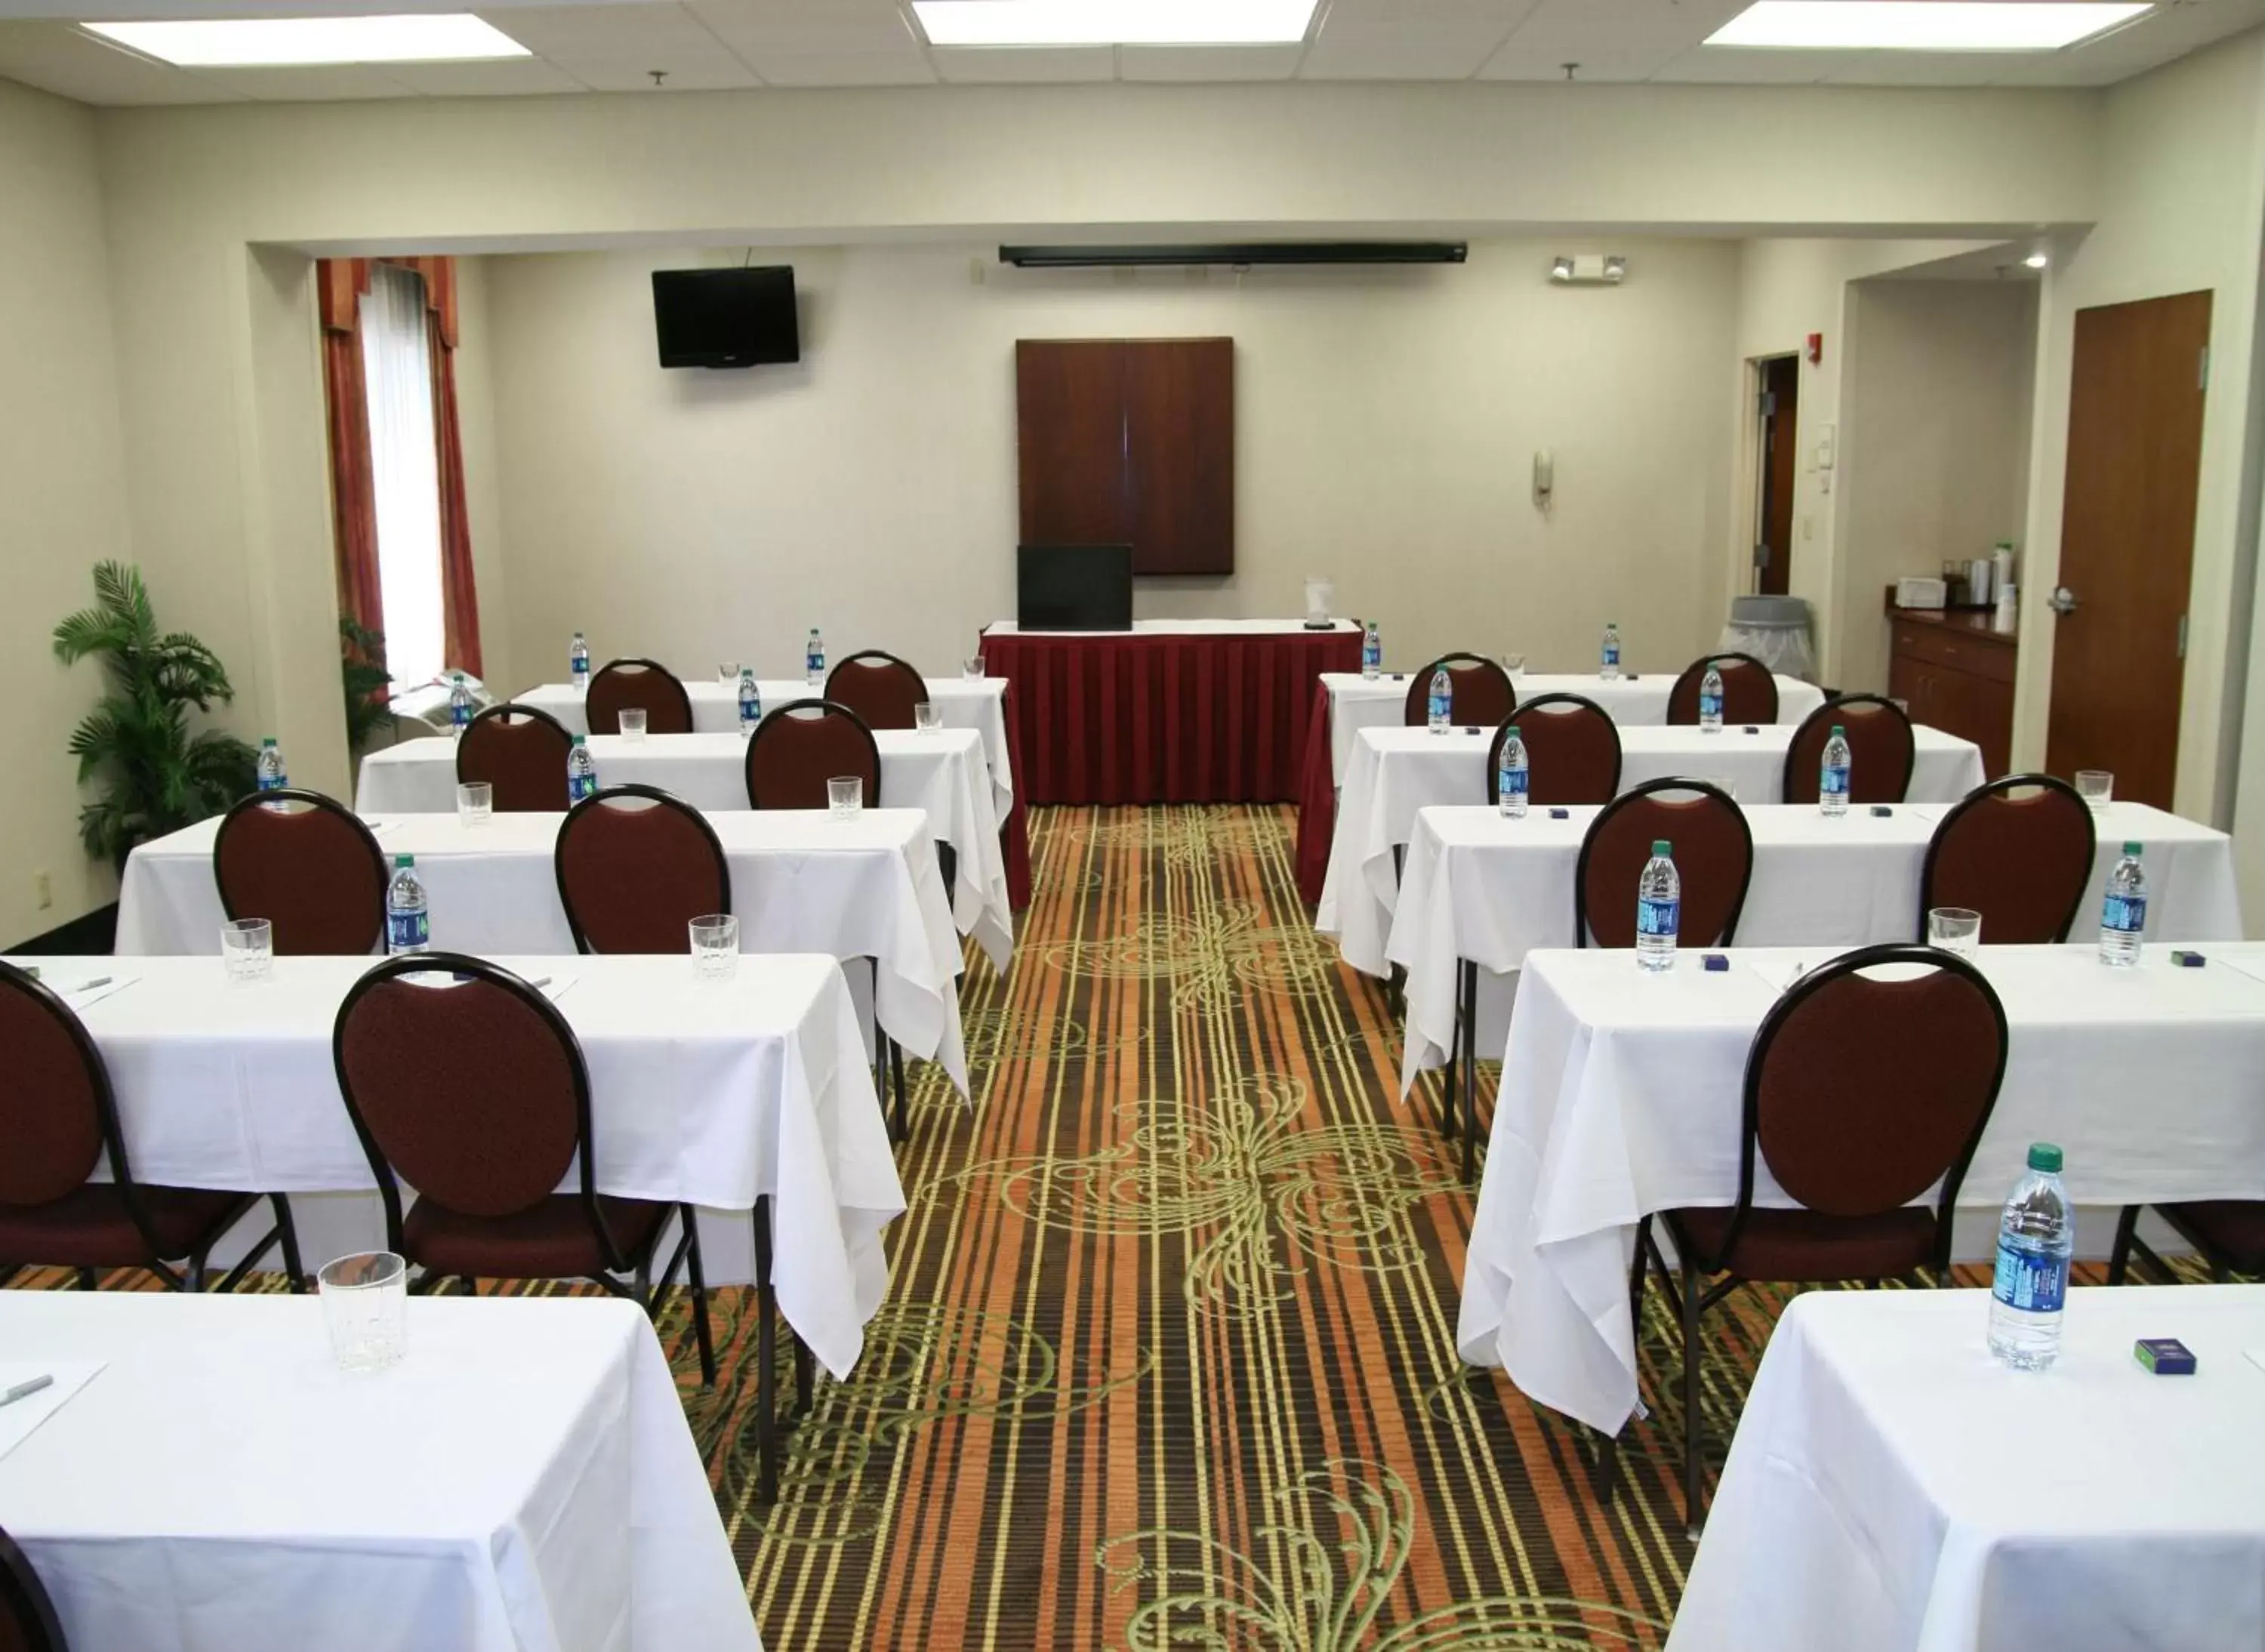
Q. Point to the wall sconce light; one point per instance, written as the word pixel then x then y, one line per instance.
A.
pixel 1560 269
pixel 1589 269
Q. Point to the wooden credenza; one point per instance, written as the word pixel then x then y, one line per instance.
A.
pixel 1957 675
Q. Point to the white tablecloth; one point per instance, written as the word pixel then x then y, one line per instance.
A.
pixel 801 882
pixel 1356 704
pixel 944 775
pixel 522 1481
pixel 1175 628
pixel 1397 771
pixel 1621 1096
pixel 1482 888
pixel 1891 1488
pixel 711 1093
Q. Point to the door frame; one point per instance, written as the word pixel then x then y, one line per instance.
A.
pixel 1746 495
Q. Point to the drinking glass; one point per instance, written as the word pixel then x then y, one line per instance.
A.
pixel 475 803
pixel 926 718
pixel 247 946
pixel 1954 929
pixel 366 1304
pixel 633 723
pixel 845 796
pixel 727 673
pixel 1724 784
pixel 2096 787
pixel 715 945
pixel 1515 665
pixel 971 667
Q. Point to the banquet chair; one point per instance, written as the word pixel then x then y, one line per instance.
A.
pixel 800 746
pixel 27 1617
pixel 521 752
pixel 1479 690
pixel 879 688
pixel 58 1124
pixel 636 865
pixel 1748 690
pixel 2229 1234
pixel 1861 1093
pixel 1879 736
pixel 2024 863
pixel 308 865
pixel 1572 751
pixel 1714 850
pixel 474 1092
pixel 635 684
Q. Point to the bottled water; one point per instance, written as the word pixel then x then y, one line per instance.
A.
pixel 460 706
pixel 751 701
pixel 268 771
pixel 581 773
pixel 577 664
pixel 1710 701
pixel 1832 773
pixel 1511 774
pixel 2123 914
pixel 1610 669
pixel 2036 1237
pixel 1371 653
pixel 1658 909
pixel 813 660
pixel 1439 709
pixel 408 926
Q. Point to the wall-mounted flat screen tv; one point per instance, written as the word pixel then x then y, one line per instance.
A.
pixel 727 318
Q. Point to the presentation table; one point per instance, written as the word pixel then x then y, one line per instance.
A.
pixel 1346 702
pixel 1398 771
pixel 1170 711
pixel 944 774
pixel 964 703
pixel 712 1093
pixel 1621 1096
pixel 1892 1489
pixel 524 1478
pixel 801 882
pixel 1482 889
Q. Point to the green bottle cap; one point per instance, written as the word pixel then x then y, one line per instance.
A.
pixel 1839 732
pixel 1512 732
pixel 2132 849
pixel 268 740
pixel 1661 845
pixel 2043 1155
pixel 577 739
pixel 404 860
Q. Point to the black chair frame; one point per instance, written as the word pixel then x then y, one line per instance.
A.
pixel 23 1600
pixel 191 1276
pixel 316 799
pixel 2222 1270
pixel 1695 672
pixel 1823 714
pixel 683 695
pixel 652 794
pixel 1981 795
pixel 1519 714
pixel 511 709
pixel 1628 798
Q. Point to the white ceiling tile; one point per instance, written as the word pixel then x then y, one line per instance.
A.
pixel 314 83
pixel 1624 25
pixel 978 63
pixel 1501 15
pixel 1737 66
pixel 809 25
pixel 1350 49
pixel 60 58
pixel 1519 61
pixel 842 68
pixel 1208 63
pixel 715 71
pixel 1925 68
pixel 500 78
pixel 557 31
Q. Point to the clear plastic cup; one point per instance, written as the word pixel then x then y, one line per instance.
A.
pixel 926 718
pixel 2096 787
pixel 727 672
pixel 475 803
pixel 247 947
pixel 715 945
pixel 1955 930
pixel 971 667
pixel 632 723
pixel 845 796
pixel 366 1306
pixel 1515 665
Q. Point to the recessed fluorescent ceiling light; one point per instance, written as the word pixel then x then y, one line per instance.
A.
pixel 257 42
pixel 1923 26
pixel 1114 22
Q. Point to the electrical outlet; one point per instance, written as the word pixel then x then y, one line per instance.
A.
pixel 43 891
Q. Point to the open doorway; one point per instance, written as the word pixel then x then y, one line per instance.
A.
pixel 1777 406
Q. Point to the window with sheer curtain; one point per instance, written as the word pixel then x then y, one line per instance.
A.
pixel 397 372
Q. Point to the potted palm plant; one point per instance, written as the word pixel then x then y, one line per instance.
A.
pixel 156 776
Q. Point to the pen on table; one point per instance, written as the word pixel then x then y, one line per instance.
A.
pixel 88 987
pixel 25 1390
pixel 540 982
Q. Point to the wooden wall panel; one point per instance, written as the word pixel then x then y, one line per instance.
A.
pixel 1070 441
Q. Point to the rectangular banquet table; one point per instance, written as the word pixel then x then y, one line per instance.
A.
pixel 1892 1489
pixel 1345 702
pixel 1170 711
pixel 1483 888
pixel 944 774
pixel 964 703
pixel 801 882
pixel 1397 771
pixel 524 1479
pixel 713 1093
pixel 1621 1096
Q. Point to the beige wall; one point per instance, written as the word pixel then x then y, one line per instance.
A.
pixel 475 398
pixel 1385 424
pixel 62 490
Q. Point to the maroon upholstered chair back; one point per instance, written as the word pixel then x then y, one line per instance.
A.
pixel 879 688
pixel 1478 692
pixel 1714 853
pixel 1748 690
pixel 51 1091
pixel 521 752
pixel 802 745
pixel 629 685
pixel 635 867
pixel 27 1617
pixel 473 1091
pixel 2023 862
pixel 1863 1091
pixel 306 865
pixel 1572 751
pixel 1879 750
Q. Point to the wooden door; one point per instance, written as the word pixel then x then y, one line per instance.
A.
pixel 1780 406
pixel 1179 446
pixel 1070 442
pixel 2137 384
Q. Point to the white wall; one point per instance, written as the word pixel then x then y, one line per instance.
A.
pixel 62 490
pixel 476 394
pixel 1385 426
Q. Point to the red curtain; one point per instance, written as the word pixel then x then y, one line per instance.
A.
pixel 460 602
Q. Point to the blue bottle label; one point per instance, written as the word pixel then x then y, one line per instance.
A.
pixel 2126 914
pixel 751 709
pixel 1438 708
pixel 1657 917
pixel 1513 781
pixel 460 712
pixel 1835 782
pixel 1612 653
pixel 581 786
pixel 275 782
pixel 1710 708
pixel 407 931
pixel 2029 1277
pixel 1371 652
